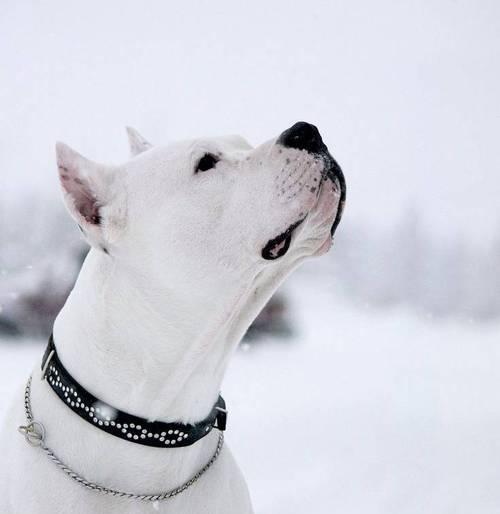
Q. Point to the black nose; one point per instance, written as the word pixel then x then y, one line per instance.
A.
pixel 303 136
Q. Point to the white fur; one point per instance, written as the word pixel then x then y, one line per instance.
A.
pixel 150 325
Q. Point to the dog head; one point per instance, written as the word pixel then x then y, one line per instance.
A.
pixel 197 216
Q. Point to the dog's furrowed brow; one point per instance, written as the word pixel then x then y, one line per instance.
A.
pixel 199 147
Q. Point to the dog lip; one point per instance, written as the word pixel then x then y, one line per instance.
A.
pixel 279 245
pixel 333 172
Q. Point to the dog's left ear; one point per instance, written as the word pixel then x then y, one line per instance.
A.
pixel 94 195
pixel 137 143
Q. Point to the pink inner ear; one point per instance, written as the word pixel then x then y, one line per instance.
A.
pixel 85 201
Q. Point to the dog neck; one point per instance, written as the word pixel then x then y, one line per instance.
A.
pixel 143 351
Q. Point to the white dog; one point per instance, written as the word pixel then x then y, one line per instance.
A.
pixel 189 241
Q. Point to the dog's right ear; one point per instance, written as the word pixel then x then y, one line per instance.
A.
pixel 94 195
pixel 137 143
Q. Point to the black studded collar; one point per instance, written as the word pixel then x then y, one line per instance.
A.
pixel 121 424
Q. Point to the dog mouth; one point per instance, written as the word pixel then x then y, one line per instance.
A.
pixel 334 173
pixel 278 246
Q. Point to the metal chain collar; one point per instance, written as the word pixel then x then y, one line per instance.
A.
pixel 34 433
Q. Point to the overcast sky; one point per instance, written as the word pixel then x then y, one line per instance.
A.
pixel 406 94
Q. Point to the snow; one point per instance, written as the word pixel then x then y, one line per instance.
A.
pixel 363 410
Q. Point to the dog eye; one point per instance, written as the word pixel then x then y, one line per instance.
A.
pixel 207 162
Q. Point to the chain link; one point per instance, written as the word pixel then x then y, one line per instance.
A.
pixel 99 488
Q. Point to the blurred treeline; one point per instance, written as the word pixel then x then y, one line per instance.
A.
pixel 410 265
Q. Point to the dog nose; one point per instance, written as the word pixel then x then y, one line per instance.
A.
pixel 303 136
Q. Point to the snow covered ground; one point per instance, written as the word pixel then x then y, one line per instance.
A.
pixel 362 412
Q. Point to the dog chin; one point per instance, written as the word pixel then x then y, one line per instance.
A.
pixel 325 247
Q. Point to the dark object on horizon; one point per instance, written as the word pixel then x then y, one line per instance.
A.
pixel 272 320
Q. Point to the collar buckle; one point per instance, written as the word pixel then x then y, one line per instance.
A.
pixel 46 364
pixel 221 418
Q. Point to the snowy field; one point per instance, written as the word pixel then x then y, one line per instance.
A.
pixel 362 412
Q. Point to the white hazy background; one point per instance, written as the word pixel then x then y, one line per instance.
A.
pixel 388 390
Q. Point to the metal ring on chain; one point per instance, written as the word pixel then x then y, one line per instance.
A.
pixel 35 433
